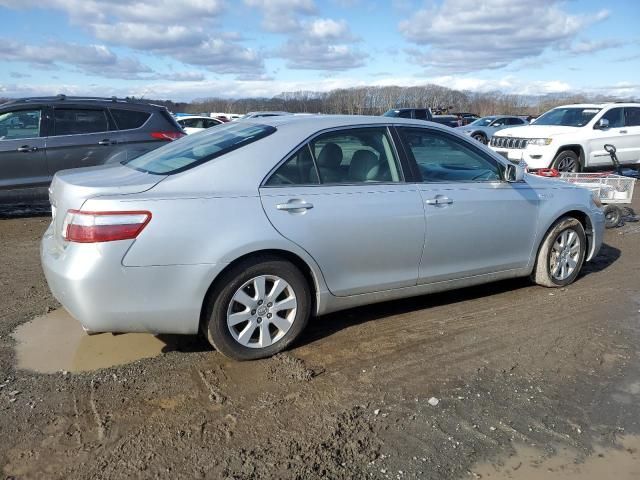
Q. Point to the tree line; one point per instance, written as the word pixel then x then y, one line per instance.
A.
pixel 377 100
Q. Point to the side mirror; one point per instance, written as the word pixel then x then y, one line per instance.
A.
pixel 514 173
pixel 602 124
pixel 610 148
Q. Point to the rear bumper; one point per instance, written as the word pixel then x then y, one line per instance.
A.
pixel 90 281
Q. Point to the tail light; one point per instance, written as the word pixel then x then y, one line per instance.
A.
pixel 168 136
pixel 548 172
pixel 94 227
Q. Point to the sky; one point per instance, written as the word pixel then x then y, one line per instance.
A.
pixel 191 49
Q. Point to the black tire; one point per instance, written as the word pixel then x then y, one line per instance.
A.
pixel 480 137
pixel 215 320
pixel 612 216
pixel 542 274
pixel 567 157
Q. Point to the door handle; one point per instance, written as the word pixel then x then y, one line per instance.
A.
pixel 27 149
pixel 295 206
pixel 623 131
pixel 439 200
pixel 105 142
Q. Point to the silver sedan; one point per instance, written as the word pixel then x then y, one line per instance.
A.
pixel 245 231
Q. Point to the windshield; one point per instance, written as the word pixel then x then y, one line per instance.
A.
pixel 193 150
pixel 568 117
pixel 482 122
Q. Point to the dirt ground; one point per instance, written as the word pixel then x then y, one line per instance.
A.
pixel 510 364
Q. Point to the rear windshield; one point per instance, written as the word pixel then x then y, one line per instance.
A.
pixel 195 149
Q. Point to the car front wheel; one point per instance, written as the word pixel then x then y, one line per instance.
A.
pixel 480 138
pixel 258 309
pixel 561 254
pixel 567 161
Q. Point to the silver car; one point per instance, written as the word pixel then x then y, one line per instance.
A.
pixel 483 128
pixel 247 230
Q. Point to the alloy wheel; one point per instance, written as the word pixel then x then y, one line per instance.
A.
pixel 261 311
pixel 565 255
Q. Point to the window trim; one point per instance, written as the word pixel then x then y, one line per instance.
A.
pixel 389 130
pixel 43 130
pixel 107 116
pixel 418 175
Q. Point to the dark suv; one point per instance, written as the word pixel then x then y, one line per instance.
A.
pixel 39 136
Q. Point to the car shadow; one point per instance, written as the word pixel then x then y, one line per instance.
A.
pixel 24 211
pixel 334 322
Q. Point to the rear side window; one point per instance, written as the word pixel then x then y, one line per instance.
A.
pixel 194 150
pixel 69 121
pixel 129 119
pixel 299 169
pixel 632 116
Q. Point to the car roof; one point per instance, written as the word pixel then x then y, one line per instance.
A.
pixel 187 117
pixel 90 101
pixel 600 105
pixel 308 124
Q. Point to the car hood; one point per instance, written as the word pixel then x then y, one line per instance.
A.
pixel 536 131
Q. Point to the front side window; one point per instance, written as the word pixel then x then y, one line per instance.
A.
pixel 194 150
pixel 361 155
pixel 20 124
pixel 441 158
pixel 499 122
pixel 299 169
pixel 632 116
pixel 615 116
pixel 70 121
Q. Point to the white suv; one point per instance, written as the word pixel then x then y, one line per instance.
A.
pixel 572 137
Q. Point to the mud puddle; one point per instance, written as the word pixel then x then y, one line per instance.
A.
pixel 621 463
pixel 56 342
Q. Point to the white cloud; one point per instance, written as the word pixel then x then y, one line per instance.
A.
pixel 282 15
pixel 458 37
pixel 327 28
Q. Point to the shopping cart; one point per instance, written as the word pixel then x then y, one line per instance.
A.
pixel 614 191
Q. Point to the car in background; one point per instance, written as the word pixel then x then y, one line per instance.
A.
pixel 571 138
pixel 246 230
pixel 39 136
pixel 195 123
pixel 264 114
pixel 415 113
pixel 467 117
pixel 483 129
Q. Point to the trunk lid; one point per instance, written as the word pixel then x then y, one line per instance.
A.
pixel 71 188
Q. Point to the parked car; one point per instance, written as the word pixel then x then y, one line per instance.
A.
pixel 467 117
pixel 572 138
pixel 483 129
pixel 39 136
pixel 448 120
pixel 195 123
pixel 416 113
pixel 264 223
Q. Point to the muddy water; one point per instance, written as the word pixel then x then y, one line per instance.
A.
pixel 622 463
pixel 56 342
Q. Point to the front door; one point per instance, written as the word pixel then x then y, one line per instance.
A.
pixel 615 134
pixel 476 223
pixel 342 198
pixel 23 165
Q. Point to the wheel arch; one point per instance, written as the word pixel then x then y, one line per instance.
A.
pixel 579 215
pixel 575 148
pixel 307 271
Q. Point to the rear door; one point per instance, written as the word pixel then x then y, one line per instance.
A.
pixel 343 199
pixel 23 163
pixel 476 223
pixel 82 136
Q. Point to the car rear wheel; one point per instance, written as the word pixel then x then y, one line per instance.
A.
pixel 561 254
pixel 480 137
pixel 567 161
pixel 260 307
